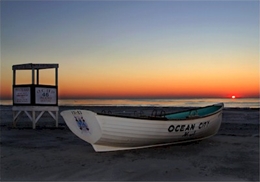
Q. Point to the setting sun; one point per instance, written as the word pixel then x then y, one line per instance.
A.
pixel 233 97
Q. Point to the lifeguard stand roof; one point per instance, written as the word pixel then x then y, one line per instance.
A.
pixel 30 66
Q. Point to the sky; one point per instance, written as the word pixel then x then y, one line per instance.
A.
pixel 134 49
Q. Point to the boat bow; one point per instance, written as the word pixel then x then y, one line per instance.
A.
pixel 84 124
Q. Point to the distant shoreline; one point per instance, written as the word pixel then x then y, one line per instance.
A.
pixel 101 106
pixel 119 106
pixel 184 103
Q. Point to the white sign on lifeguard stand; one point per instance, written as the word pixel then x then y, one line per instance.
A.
pixel 34 99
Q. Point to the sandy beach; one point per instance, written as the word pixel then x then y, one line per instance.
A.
pixel 49 153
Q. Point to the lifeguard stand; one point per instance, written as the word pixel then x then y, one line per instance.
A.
pixel 34 99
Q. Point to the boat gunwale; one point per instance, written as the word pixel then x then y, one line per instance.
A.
pixel 163 118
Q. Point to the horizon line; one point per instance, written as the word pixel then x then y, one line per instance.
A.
pixel 129 98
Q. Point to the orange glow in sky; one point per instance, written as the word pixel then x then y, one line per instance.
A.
pixel 167 49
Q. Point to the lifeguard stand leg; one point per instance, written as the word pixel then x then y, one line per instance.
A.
pixel 33 120
pixel 30 111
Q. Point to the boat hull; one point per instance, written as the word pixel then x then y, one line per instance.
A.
pixel 110 133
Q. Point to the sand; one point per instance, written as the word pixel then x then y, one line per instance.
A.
pixel 49 153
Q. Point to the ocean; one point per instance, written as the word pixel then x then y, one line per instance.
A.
pixel 195 102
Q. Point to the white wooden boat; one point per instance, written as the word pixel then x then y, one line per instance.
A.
pixel 113 132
